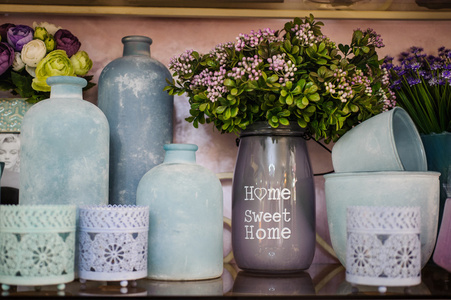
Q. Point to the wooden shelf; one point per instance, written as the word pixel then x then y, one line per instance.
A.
pixel 221 12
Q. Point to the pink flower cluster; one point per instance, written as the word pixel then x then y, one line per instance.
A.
pixel 304 34
pixel 254 38
pixel 182 63
pixel 285 69
pixel 213 82
pixel 249 66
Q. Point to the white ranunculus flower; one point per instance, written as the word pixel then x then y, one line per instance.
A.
pixel 51 28
pixel 18 64
pixel 31 71
pixel 33 52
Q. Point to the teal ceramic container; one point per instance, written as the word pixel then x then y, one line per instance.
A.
pixel 438 154
pixel 37 245
pixel 395 189
pixel 64 148
pixel 139 113
pixel 186 217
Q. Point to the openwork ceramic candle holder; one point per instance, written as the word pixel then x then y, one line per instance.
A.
pixel 113 243
pixel 37 244
pixel 383 246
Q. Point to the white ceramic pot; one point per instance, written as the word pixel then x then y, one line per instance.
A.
pixel 382 189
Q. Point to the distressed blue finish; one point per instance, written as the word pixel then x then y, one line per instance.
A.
pixel 140 115
pixel 186 213
pixel 64 148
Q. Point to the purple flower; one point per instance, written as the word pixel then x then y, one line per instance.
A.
pixel 6 57
pixel 4 29
pixel 19 35
pixel 413 81
pixel 66 41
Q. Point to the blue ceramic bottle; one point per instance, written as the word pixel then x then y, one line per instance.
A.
pixel 139 113
pixel 186 215
pixel 64 148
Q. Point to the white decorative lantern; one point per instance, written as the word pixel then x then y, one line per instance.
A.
pixel 383 246
pixel 113 243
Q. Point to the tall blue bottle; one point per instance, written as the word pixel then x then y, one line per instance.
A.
pixel 64 148
pixel 139 113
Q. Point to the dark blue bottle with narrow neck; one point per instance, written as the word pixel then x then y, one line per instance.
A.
pixel 139 113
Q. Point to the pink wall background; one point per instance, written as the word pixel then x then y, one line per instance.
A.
pixel 101 38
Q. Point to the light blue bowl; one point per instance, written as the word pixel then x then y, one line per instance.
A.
pixel 386 142
pixel 382 189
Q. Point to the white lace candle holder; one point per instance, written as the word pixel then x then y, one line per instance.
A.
pixel 113 243
pixel 37 245
pixel 383 246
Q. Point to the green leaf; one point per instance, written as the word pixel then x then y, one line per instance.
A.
pixel 227 114
pixel 302 123
pixel 287 45
pixel 229 82
pixel 273 78
pixel 220 109
pixel 203 106
pixel 284 121
pixel 314 97
pixel 234 112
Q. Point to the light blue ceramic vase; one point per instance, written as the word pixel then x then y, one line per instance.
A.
pixel 64 148
pixel 186 217
pixel 139 113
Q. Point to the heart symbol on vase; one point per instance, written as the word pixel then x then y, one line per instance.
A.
pixel 260 193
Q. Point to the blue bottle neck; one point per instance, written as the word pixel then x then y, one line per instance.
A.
pixel 66 87
pixel 136 45
pixel 180 153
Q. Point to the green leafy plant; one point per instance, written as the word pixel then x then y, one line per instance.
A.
pixel 422 87
pixel 295 74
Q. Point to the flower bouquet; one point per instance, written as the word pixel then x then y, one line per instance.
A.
pixel 28 56
pixel 421 84
pixel 293 74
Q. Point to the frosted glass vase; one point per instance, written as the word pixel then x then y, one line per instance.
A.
pixel 273 200
pixel 139 113
pixel 186 217
pixel 64 148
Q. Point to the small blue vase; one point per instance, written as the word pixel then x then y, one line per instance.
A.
pixel 186 217
pixel 139 113
pixel 64 148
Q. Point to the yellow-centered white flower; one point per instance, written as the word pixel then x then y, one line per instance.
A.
pixel 33 52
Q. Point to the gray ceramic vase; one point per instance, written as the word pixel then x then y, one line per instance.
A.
pixel 273 201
